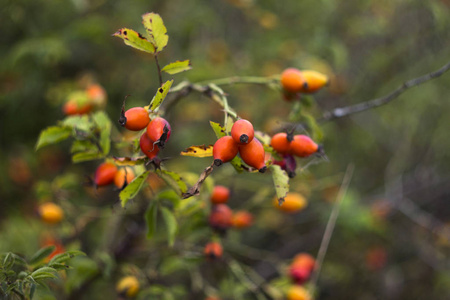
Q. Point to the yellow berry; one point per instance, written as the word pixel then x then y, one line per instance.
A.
pixel 293 202
pixel 50 213
pixel 128 285
pixel 297 292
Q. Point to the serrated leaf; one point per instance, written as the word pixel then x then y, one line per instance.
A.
pixel 133 188
pixel 44 275
pixel 177 67
pixel 104 125
pixel 160 95
pixel 53 135
pixel 129 161
pixel 198 151
pixel 135 40
pixel 156 30
pixel 280 181
pixel 171 224
pixel 218 130
pixel 174 180
pixel 151 216
pixel 41 254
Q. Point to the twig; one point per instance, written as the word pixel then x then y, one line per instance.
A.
pixel 241 79
pixel 331 223
pixel 159 70
pixel 352 109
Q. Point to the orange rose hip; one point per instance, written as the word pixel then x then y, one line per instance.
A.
pixel 224 150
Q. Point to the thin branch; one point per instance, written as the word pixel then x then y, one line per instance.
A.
pixel 242 79
pixel 331 223
pixel 352 109
pixel 159 70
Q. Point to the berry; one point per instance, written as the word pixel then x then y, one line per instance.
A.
pixel 148 147
pixel 292 80
pixel 72 107
pixel 242 219
pixel 224 150
pixel 105 174
pixel 253 155
pixel 50 213
pixel 220 194
pixel 220 217
pixel 305 260
pixel 293 202
pixel 213 250
pixel 303 146
pixel 297 292
pixel 298 274
pixel 159 130
pixel 281 142
pixel 315 81
pixel 135 119
pixel 128 286
pixel 301 268
pixel 242 132
pixel 97 95
pixel 123 177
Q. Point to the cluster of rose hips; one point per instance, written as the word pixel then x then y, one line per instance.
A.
pixel 84 101
pixel 108 173
pixel 300 271
pixel 295 82
pixel 242 141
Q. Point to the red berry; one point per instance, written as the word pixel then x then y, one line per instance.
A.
pixel 220 194
pixel 105 174
pixel 242 132
pixel 213 250
pixel 136 119
pixel 224 150
pixel 299 274
pixel 280 142
pixel 220 217
pixel 242 219
pixel 303 146
pixel 253 155
pixel 148 147
pixel 159 130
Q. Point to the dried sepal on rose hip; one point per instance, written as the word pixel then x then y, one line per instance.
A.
pixel 242 132
pixel 159 130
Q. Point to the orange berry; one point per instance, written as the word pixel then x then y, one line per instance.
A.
pixel 148 147
pixel 253 155
pixel 220 217
pixel 72 107
pixel 305 260
pixel 128 286
pixel 301 267
pixel 50 213
pixel 220 194
pixel 96 94
pixel 242 219
pixel 242 132
pixel 136 119
pixel 224 150
pixel 315 81
pixel 280 142
pixel 213 250
pixel 303 146
pixel 297 292
pixel 292 80
pixel 105 174
pixel 293 202
pixel 159 130
pixel 123 177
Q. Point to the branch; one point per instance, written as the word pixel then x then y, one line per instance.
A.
pixel 352 109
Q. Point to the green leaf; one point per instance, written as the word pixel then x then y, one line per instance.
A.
pixel 8 261
pixel 218 130
pixel 60 258
pixel 133 188
pixel 53 135
pixel 135 40
pixel 170 195
pixel 174 180
pixel 160 95
pixel 237 163
pixel 177 67
pixel 104 125
pixel 43 273
pixel 156 30
pixel 280 181
pixel 151 216
pixel 32 290
pixel 86 156
pixel 171 224
pixel 83 146
pixel 41 254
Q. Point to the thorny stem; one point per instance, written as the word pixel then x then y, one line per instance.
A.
pixel 159 70
pixel 331 223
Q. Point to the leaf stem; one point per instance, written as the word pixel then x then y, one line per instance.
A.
pixel 159 70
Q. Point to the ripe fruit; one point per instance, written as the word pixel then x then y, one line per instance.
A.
pixel 148 147
pixel 123 177
pixel 128 286
pixel 315 81
pixel 105 174
pixel 159 130
pixel 305 260
pixel 303 146
pixel 213 250
pixel 253 155
pixel 220 194
pixel 292 80
pixel 297 292
pixel 301 268
pixel 50 213
pixel 220 217
pixel 224 150
pixel 242 219
pixel 72 107
pixel 281 142
pixel 135 119
pixel 97 95
pixel 293 202
pixel 242 132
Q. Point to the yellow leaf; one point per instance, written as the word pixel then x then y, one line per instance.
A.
pixel 198 151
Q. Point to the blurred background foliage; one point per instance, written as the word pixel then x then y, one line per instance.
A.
pixel 397 204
